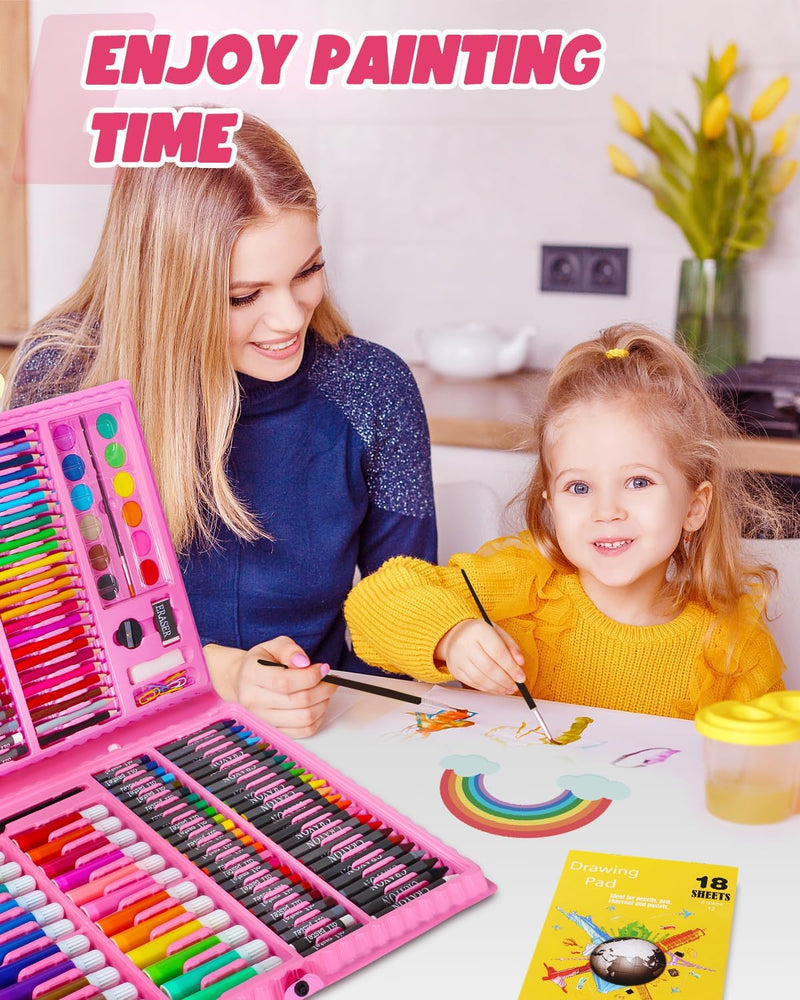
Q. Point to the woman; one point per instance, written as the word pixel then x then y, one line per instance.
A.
pixel 288 453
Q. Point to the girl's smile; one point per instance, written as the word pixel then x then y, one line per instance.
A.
pixel 620 507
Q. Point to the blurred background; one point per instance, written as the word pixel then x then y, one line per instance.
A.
pixel 436 202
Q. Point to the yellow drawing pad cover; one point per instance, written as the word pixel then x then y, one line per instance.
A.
pixel 643 928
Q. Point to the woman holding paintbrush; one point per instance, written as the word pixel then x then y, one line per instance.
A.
pixel 288 453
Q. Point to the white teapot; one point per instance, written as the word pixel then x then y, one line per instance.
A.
pixel 472 350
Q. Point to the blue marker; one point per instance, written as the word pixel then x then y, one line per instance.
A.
pixel 44 915
pixel 68 947
pixel 52 931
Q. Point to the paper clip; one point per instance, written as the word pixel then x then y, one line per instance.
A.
pixel 168 686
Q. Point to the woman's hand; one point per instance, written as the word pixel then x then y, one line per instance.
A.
pixel 482 656
pixel 292 700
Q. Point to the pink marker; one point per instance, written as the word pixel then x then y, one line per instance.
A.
pixel 97 886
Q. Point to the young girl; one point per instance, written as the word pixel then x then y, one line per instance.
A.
pixel 630 590
pixel 287 452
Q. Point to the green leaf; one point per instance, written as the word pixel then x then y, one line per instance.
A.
pixel 669 144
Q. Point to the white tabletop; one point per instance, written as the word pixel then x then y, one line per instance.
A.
pixel 484 951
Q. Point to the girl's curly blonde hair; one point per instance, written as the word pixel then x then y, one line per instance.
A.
pixel 631 365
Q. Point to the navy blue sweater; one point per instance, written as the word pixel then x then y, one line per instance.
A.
pixel 335 462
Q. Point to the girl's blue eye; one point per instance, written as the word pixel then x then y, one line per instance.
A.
pixel 578 489
pixel 639 482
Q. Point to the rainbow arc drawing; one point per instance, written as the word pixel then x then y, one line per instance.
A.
pixel 469 800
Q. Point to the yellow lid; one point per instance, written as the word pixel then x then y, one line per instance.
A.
pixel 747 724
pixel 785 703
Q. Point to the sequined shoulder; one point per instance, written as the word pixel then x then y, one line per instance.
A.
pixel 377 393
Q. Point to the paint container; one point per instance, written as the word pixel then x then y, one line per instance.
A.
pixel 787 705
pixel 750 756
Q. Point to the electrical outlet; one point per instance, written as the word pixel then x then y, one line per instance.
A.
pixel 594 270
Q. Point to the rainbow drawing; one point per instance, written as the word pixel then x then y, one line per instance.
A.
pixel 468 799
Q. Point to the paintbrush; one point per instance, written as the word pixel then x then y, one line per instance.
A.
pixel 384 692
pixel 523 690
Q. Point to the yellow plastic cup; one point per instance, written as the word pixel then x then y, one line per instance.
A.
pixel 750 756
pixel 787 705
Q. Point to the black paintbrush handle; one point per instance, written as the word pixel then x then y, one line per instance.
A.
pixel 522 688
pixel 345 682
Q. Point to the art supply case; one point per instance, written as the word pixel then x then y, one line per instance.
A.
pixel 163 668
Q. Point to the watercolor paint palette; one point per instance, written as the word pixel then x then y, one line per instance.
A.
pixel 95 626
pixel 176 845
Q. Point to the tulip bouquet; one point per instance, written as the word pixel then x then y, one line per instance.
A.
pixel 710 180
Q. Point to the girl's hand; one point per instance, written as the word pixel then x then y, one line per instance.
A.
pixel 482 656
pixel 292 700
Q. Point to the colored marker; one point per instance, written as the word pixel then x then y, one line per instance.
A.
pixel 228 983
pixel 128 891
pixel 99 981
pixel 175 964
pixel 156 949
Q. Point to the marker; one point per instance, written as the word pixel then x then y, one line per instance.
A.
pixel 212 992
pixel 10 945
pixel 175 964
pixel 57 845
pixel 101 980
pixel 148 905
pixel 129 891
pixel 25 988
pixel 101 866
pixel 98 886
pixel 232 961
pixel 70 947
pixel 177 915
pixel 43 915
pixel 153 951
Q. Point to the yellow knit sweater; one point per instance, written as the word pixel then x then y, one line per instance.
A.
pixel 574 653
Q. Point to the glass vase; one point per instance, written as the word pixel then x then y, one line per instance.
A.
pixel 712 313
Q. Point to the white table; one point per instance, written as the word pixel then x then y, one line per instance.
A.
pixel 484 952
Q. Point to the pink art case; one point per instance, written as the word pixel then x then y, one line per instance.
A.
pixel 312 867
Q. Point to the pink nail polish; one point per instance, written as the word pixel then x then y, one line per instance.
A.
pixel 299 660
pixel 325 669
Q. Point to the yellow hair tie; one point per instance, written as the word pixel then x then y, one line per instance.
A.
pixel 618 352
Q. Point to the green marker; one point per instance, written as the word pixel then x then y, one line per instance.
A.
pixel 173 965
pixel 189 982
pixel 212 992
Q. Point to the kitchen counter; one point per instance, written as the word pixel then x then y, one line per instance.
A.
pixel 498 413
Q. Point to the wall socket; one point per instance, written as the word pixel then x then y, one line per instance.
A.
pixel 596 270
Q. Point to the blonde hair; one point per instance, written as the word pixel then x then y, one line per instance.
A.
pixel 154 309
pixel 657 378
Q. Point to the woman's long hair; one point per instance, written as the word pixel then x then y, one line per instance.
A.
pixel 153 309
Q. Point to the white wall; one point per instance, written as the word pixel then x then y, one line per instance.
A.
pixel 436 202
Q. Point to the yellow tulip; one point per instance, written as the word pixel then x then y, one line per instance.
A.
pixel 782 176
pixel 769 99
pixel 715 116
pixel 622 163
pixel 784 138
pixel 628 119
pixel 727 64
